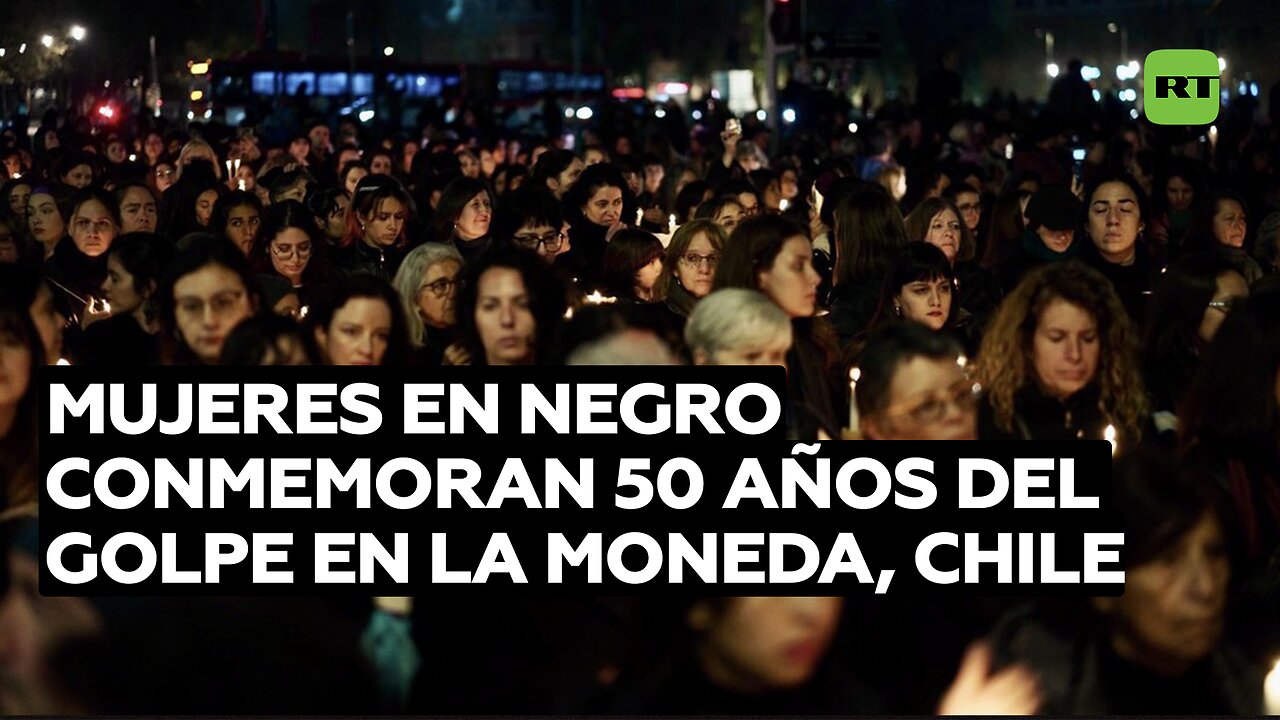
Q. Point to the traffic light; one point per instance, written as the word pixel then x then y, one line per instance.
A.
pixel 784 21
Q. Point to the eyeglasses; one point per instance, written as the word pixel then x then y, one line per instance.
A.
pixel 284 252
pixel 694 260
pixel 1224 306
pixel 963 394
pixel 440 288
pixel 164 173
pixel 550 241
pixel 221 304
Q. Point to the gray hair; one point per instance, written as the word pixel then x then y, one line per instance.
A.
pixel 408 282
pixel 624 347
pixel 734 317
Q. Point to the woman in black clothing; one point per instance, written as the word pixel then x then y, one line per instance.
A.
pixel 427 283
pixel 869 232
pixel 376 221
pixel 938 222
pixel 631 266
pixel 1188 307
pixel 179 215
pixel 79 263
pixel 1115 216
pixel 1220 225
pixel 237 216
pixel 291 246
pixel 919 288
pixel 1058 361
pixel 463 216
pixel 595 203
pixel 689 269
pixel 510 310
pixel 127 338
pixel 48 216
pixel 773 255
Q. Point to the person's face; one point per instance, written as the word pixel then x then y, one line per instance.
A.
pixel 242 227
pixel 358 334
pixel 763 351
pixel 635 182
pixel 604 207
pixel 286 351
pixel 789 185
pixel 51 140
pixel 18 198
pixel 970 207
pixel 353 179
pixel 470 165
pixel 765 643
pixel 319 137
pixel 137 211
pixel 593 156
pixel 944 234
pixel 164 177
pixel 1180 194
pixel 13 165
pixel 120 290
pixel 204 206
pixel 545 240
pixel 16 369
pixel 208 304
pixel 927 302
pixel 288 306
pixel 346 156
pixel 565 180
pixel 1171 613
pixel 153 147
pixel 929 399
pixel 504 319
pixel 1056 240
pixel 49 323
pixel 336 224
pixel 791 282
pixel 1065 349
pixel 383 226
pixel 1114 221
pixel 79 176
pixel 43 219
pixel 622 146
pixel 8 246
pixel 750 205
pixel 487 163
pixel 290 252
pixel 244 174
pixel 299 149
pixel 697 267
pixel 729 216
pixel 653 175
pixel 93 228
pixel 473 222
pixel 438 295
pixel 1231 289
pixel 1229 223
pixel 116 152
pixel 380 165
pixel 647 277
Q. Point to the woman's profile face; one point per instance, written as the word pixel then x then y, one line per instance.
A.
pixel 1229 223
pixel 604 207
pixel 791 282
pixel 756 644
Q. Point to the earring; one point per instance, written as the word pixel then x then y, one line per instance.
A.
pixel 897 309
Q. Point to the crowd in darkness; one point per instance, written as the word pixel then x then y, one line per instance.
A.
pixel 985 282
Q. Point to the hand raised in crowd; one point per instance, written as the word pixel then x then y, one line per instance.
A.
pixel 976 691
pixel 456 354
pixel 94 310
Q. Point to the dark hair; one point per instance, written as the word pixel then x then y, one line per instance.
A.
pixel 346 170
pixel 532 205
pixel 917 262
pixel 122 189
pixel 194 252
pixel 62 196
pixel 18 459
pixel 453 201
pixel 1171 343
pixel 92 193
pixel 546 301
pixel 1113 177
pixel 689 199
pixel 228 202
pixel 72 159
pixel 624 256
pixel 550 164
pixel 917 225
pixel 751 249
pixel 1200 236
pixel 1004 231
pixel 1161 498
pixel 370 193
pixel 837 191
pixel 281 216
pixel 738 187
pixel 282 182
pixel 178 203
pixel 251 341
pixel 888 348
pixel 868 232
pixel 1180 168
pixel 144 256
pixel 592 179
pixel 322 200
pixel 713 207
pixel 337 295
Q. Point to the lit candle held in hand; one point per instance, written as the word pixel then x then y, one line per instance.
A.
pixel 854 421
pixel 1110 436
pixel 671 225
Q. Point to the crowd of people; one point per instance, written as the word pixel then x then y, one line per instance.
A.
pixel 978 280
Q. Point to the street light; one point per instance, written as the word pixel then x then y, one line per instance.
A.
pixel 46 40
pixel 388 51
pixel 78 33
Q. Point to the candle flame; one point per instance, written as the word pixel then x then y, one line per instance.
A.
pixel 783 204
pixel 1110 436
pixel 855 375
pixel 1271 688
pixel 63 361
pixel 962 361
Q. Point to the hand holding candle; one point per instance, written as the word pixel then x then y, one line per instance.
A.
pixel 854 421
pixel 1110 436
pixel 671 225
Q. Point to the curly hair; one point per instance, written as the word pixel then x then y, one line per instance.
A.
pixel 1004 363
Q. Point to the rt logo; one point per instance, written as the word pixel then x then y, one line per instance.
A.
pixel 1180 87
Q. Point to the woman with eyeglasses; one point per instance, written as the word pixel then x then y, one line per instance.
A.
pixel 1188 307
pixel 290 247
pixel 205 292
pixel 1059 362
pixel 427 283
pixel 531 219
pixel 463 216
pixel 689 268
pixel 913 387
pixel 162 175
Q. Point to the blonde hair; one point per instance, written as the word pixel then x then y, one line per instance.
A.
pixel 1004 363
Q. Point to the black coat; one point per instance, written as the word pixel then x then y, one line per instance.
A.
pixel 585 257
pixel 359 258
pixel 853 307
pixel 1040 417
pixel 1133 283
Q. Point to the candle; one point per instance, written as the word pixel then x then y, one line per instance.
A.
pixel 63 361
pixel 639 216
pixel 237 165
pixel 230 172
pixel 671 224
pixel 302 312
pixel 783 204
pixel 240 184
pixel 817 199
pixel 595 298
pixel 1271 689
pixel 1110 436
pixel 854 421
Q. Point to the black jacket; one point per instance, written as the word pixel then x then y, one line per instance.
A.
pixel 586 253
pixel 360 258
pixel 1133 283
pixel 1040 417
pixel 853 307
